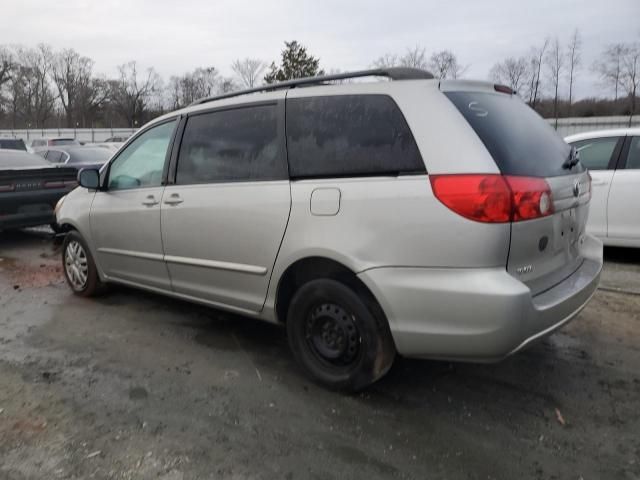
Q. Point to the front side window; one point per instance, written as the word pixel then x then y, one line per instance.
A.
pixel 349 135
pixel 595 153
pixel 633 159
pixel 142 162
pixel 231 145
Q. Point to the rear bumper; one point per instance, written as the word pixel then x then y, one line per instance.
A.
pixel 477 314
pixel 28 209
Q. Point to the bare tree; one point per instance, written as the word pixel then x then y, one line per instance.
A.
pixel 574 59
pixel 388 60
pixel 554 61
pixel 7 64
pixel 186 89
pixel 249 71
pixel 32 98
pixel 535 67
pixel 610 67
pixel 415 57
pixel 444 64
pixel 512 72
pixel 630 75
pixel 131 92
pixel 71 74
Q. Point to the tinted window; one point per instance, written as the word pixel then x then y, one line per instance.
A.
pixel 12 144
pixel 231 145
pixel 89 155
pixel 349 135
pixel 518 139
pixel 63 141
pixel 633 159
pixel 142 162
pixel 595 153
pixel 55 156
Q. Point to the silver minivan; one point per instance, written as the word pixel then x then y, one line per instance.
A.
pixel 434 219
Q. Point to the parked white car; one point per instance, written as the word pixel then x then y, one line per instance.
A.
pixel 613 159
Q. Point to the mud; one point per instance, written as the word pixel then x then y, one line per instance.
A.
pixel 134 386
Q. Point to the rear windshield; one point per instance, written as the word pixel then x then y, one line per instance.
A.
pixel 63 141
pixel 89 155
pixel 518 139
pixel 12 144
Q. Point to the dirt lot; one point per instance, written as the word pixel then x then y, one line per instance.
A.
pixel 133 385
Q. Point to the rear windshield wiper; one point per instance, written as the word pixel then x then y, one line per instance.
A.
pixel 572 160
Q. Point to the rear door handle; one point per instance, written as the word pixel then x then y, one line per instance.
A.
pixel 150 201
pixel 174 199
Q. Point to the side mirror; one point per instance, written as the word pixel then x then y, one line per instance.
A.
pixel 89 178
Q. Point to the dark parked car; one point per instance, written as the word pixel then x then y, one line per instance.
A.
pixel 12 144
pixel 77 156
pixel 30 187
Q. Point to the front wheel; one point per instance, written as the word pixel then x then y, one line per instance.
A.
pixel 79 267
pixel 336 338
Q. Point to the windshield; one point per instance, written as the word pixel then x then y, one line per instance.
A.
pixel 519 140
pixel 89 155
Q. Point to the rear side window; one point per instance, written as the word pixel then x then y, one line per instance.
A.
pixel 518 139
pixel 349 135
pixel 633 159
pixel 55 156
pixel 595 153
pixel 231 145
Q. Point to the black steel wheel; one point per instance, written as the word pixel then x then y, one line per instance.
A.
pixel 335 336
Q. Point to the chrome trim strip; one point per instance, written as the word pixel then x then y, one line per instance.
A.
pixel 194 262
pixel 197 262
pixel 130 253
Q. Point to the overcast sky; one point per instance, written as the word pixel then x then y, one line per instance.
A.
pixel 179 35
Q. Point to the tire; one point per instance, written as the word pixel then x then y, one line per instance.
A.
pixel 336 338
pixel 79 268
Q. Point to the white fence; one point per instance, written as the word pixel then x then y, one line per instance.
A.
pixel 81 134
pixel 566 126
pixel 569 126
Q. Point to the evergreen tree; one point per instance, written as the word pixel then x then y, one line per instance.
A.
pixel 296 63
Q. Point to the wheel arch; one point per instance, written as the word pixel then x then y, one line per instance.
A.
pixel 315 267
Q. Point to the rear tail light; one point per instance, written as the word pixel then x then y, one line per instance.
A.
pixel 71 183
pixel 53 184
pixel 494 198
pixel 8 187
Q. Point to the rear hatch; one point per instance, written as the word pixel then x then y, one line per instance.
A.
pixel 544 250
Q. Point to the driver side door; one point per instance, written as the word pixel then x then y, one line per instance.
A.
pixel 125 214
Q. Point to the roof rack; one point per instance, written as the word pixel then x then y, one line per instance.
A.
pixel 394 73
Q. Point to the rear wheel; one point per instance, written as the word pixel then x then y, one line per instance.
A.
pixel 79 267
pixel 336 337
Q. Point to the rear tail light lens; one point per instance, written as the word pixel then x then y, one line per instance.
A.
pixel 494 198
pixel 9 187
pixel 70 183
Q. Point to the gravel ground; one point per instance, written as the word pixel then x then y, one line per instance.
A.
pixel 134 386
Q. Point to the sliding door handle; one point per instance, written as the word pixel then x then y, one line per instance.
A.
pixel 174 199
